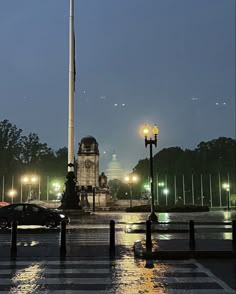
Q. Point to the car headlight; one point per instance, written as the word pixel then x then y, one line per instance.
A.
pixel 62 215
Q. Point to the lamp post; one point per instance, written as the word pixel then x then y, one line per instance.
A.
pixel 29 181
pixel 12 193
pixel 226 186
pixel 56 189
pixel 130 180
pixel 152 217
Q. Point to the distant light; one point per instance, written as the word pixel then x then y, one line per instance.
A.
pixel 224 103
pixel 127 179
pixel 146 130
pixel 33 179
pixel 166 191
pixel 115 104
pixel 25 179
pixel 123 104
pixel 84 92
pixel 12 193
pixel 194 98
pixel 147 187
pixel 155 130
pixel 226 186
pixel 217 103
pixel 104 152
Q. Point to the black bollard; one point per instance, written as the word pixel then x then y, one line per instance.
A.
pixel 13 238
pixel 63 238
pixel 112 237
pixel 94 191
pixel 234 235
pixel 191 235
pixel 148 236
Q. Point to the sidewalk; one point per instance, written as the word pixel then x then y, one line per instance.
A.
pixel 179 249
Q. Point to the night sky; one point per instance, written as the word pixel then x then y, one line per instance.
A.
pixel 169 62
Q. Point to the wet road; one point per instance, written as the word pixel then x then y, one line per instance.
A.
pixel 121 275
pixel 124 275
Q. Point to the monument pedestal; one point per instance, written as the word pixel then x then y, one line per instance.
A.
pixel 70 198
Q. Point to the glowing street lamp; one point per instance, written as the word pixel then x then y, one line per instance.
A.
pixel 166 192
pixel 226 187
pixel 12 193
pixel 151 141
pixel 130 180
pixel 56 188
pixel 29 181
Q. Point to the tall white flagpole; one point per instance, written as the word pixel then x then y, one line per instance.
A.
pixel 193 198
pixel 71 89
pixel 202 200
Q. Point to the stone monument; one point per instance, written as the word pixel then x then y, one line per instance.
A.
pixel 89 181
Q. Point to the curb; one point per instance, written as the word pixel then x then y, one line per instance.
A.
pixel 140 252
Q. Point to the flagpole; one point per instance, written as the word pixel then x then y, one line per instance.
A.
pixel 70 198
pixel 71 89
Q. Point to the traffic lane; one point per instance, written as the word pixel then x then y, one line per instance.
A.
pixel 224 269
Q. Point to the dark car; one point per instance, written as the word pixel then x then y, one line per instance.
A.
pixel 30 214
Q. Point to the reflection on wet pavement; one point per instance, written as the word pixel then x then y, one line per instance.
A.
pixel 26 280
pixel 121 276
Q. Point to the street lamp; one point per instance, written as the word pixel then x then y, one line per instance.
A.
pixel 12 193
pixel 226 186
pixel 166 192
pixel 152 217
pixel 130 180
pixel 29 181
pixel 57 189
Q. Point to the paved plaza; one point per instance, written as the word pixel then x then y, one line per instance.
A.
pixel 88 268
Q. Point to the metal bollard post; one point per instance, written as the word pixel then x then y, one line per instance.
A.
pixel 13 238
pixel 94 191
pixel 148 236
pixel 191 235
pixel 234 235
pixel 63 238
pixel 112 237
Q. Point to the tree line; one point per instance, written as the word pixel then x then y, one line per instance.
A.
pixel 25 154
pixel 187 173
pixel 20 154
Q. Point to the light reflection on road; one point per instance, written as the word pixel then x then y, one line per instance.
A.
pixel 26 280
pixel 137 277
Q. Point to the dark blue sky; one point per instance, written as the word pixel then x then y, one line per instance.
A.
pixel 171 62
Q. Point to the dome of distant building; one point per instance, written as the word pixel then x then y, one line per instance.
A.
pixel 114 169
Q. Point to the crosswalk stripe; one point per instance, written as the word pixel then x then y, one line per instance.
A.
pixel 197 291
pixel 80 238
pixel 71 292
pixel 99 275
pixel 210 274
pixel 75 281
pixel 67 271
pixel 106 280
pixel 58 262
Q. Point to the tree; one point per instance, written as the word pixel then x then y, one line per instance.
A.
pixel 114 186
pixel 32 150
pixel 217 155
pixel 10 146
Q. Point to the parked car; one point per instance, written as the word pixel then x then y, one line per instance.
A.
pixel 30 214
